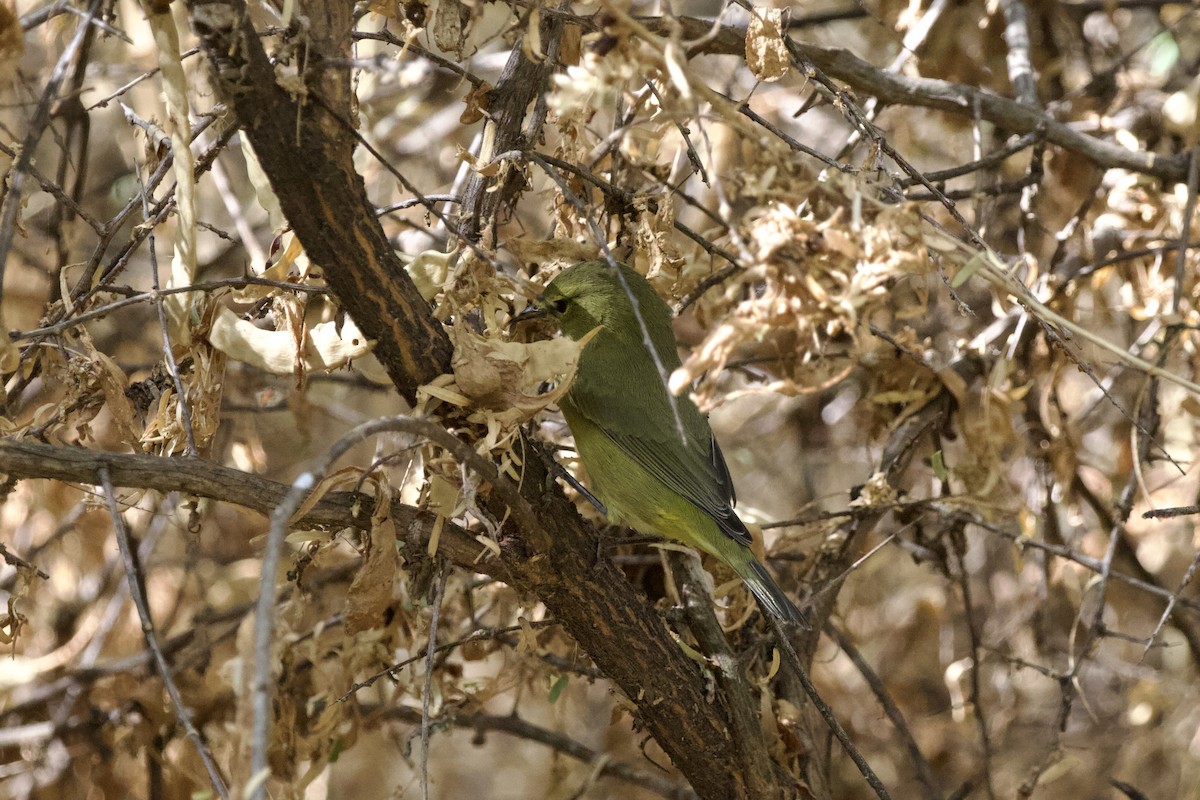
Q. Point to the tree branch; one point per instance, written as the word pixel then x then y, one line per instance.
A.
pixel 956 98
pixel 515 726
pixel 22 458
pixel 309 160
pixel 591 597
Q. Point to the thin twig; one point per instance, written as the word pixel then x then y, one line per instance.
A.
pixel 1087 562
pixel 1184 582
pixel 14 560
pixel 920 763
pixel 181 396
pixel 480 635
pixel 135 298
pixel 989 161
pixel 745 109
pixel 13 202
pixel 53 189
pixel 959 569
pixel 1185 227
pixel 513 725
pixel 792 659
pixel 427 687
pixel 160 661
pixel 1020 66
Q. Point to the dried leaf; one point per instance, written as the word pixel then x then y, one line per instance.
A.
pixel 476 103
pixel 371 592
pixel 326 345
pixel 449 24
pixel 504 377
pixel 429 270
pixel 766 52
pixel 113 383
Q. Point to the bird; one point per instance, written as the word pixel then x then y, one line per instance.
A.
pixel 651 458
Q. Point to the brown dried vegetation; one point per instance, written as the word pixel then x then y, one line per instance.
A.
pixel 940 299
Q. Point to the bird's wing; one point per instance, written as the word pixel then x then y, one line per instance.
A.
pixel 633 418
pixel 693 474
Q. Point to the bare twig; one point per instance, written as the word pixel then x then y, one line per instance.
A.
pixel 13 200
pixel 963 579
pixel 792 660
pixel 427 689
pixel 14 560
pixel 181 395
pixel 1185 226
pixel 1020 65
pixel 135 298
pixel 920 763
pixel 515 726
pixel 160 660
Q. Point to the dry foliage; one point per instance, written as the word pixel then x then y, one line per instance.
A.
pixel 940 300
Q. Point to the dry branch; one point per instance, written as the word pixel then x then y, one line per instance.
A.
pixel 864 78
pixel 308 156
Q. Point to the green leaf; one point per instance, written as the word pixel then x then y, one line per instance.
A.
pixel 964 274
pixel 939 466
pixel 557 687
pixel 1162 54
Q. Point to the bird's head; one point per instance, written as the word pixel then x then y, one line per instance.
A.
pixel 593 293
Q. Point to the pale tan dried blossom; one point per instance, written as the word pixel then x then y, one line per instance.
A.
pixel 654 237
pixel 810 282
pixel 596 82
pixel 500 379
pixel 875 492
pixel 766 53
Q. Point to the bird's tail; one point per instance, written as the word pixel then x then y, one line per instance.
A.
pixel 770 597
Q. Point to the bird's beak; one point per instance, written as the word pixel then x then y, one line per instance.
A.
pixel 533 311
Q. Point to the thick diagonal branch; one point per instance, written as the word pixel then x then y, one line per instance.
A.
pixel 300 136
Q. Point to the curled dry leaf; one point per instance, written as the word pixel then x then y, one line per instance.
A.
pixel 460 28
pixel 449 24
pixel 476 103
pixel 429 270
pixel 326 345
pixel 371 592
pixel 766 53
pixel 810 282
pixel 292 262
pixel 113 382
pixel 503 377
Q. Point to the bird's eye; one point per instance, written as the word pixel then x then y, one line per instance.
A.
pixel 560 306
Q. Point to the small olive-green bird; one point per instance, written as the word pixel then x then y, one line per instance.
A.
pixel 648 475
